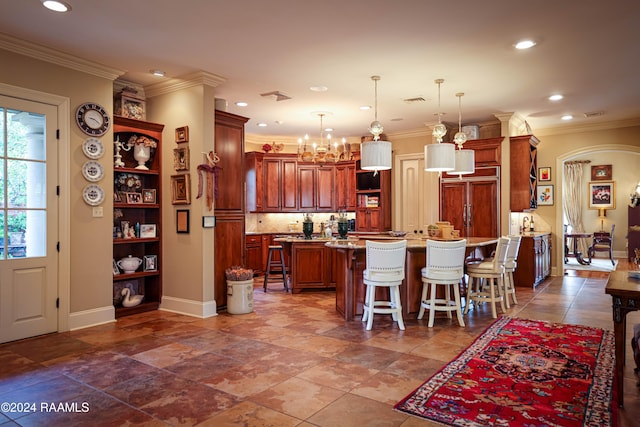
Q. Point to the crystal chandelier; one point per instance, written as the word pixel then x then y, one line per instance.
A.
pixel 439 157
pixel 464 159
pixel 375 155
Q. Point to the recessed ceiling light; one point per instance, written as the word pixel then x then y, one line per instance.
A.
pixel 158 73
pixel 241 104
pixel 556 97
pixel 365 107
pixel 525 44
pixel 56 6
pixel 567 117
pixel 262 125
pixel 318 88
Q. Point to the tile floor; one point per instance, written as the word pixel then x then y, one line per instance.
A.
pixel 292 362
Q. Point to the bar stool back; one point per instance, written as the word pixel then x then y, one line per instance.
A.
pixel 445 267
pixel 486 279
pixel 509 267
pixel 273 249
pixel 385 268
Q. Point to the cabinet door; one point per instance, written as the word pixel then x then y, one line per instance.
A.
pixel 345 180
pixel 306 188
pixel 229 239
pixel 325 189
pixel 229 143
pixel 453 205
pixel 271 180
pixel 254 253
pixel 288 185
pixel 483 209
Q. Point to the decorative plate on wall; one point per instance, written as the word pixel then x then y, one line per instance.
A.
pixel 93 195
pixel 93 148
pixel 92 171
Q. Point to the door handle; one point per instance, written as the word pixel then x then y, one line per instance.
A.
pixel 469 215
pixel 464 215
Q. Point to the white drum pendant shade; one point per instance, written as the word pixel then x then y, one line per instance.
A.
pixel 375 155
pixel 439 157
pixel 465 162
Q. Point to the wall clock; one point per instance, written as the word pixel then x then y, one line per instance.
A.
pixel 92 119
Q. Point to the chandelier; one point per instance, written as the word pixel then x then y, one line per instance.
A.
pixel 439 157
pixel 321 152
pixel 464 159
pixel 375 155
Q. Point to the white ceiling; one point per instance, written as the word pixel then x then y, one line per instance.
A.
pixel 587 50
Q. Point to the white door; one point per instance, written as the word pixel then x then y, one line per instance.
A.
pixel 416 193
pixel 28 219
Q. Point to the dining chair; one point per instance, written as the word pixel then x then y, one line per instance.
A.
pixel 602 242
pixel 509 267
pixel 444 267
pixel 385 268
pixel 486 279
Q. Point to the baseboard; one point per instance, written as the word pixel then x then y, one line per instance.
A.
pixel 94 317
pixel 188 307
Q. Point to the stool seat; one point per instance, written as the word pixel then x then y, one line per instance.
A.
pixel 273 249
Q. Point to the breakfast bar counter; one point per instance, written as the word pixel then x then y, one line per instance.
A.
pixel 350 261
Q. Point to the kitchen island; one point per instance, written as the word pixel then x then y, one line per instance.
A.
pixel 351 261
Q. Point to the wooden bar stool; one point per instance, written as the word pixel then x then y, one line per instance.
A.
pixel 282 268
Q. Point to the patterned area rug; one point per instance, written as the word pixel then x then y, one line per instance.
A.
pixel 523 372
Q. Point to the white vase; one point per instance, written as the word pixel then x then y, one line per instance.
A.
pixel 142 154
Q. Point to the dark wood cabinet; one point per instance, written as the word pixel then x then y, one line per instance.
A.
pixel 147 279
pixel 229 205
pixel 253 246
pixel 373 200
pixel 316 186
pixel 633 234
pixel 534 260
pixel 346 187
pixel 523 161
pixel 279 191
pixel 472 204
pixel 311 266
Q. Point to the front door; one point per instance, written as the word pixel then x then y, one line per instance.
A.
pixel 28 219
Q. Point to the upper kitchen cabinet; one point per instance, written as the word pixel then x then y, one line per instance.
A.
pixel 524 171
pixel 346 186
pixel 373 200
pixel 271 182
pixel 316 185
pixel 229 142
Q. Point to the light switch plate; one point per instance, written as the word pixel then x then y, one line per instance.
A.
pixel 98 212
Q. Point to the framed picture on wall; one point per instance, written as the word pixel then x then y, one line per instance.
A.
pixel 602 194
pixel 544 174
pixel 601 173
pixel 180 190
pixel 545 195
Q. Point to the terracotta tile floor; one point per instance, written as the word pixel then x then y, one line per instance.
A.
pixel 292 362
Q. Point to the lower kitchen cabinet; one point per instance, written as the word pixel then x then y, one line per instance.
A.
pixel 311 266
pixel 534 260
pixel 257 250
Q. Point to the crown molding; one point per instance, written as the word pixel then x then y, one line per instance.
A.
pixel 588 127
pixel 57 57
pixel 198 78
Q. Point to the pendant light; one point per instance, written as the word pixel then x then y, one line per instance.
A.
pixel 465 159
pixel 439 157
pixel 375 155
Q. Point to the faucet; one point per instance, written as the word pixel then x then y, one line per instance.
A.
pixel 525 226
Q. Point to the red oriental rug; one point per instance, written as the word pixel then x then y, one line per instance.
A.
pixel 523 372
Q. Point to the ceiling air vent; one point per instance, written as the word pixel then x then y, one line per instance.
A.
pixel 594 114
pixel 276 94
pixel 416 99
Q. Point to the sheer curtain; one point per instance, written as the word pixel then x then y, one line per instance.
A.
pixel 572 190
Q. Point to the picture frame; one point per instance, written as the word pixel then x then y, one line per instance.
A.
pixel 149 195
pixel 117 197
pixel 544 174
pixel 148 231
pixel 180 189
pixel 133 198
pixel 545 195
pixel 116 270
pixel 182 221
pixel 181 159
pixel 601 173
pixel 130 107
pixel 182 134
pixel 602 194
pixel 150 263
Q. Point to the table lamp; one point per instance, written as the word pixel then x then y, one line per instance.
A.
pixel 602 214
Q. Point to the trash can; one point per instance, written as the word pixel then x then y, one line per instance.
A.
pixel 239 296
